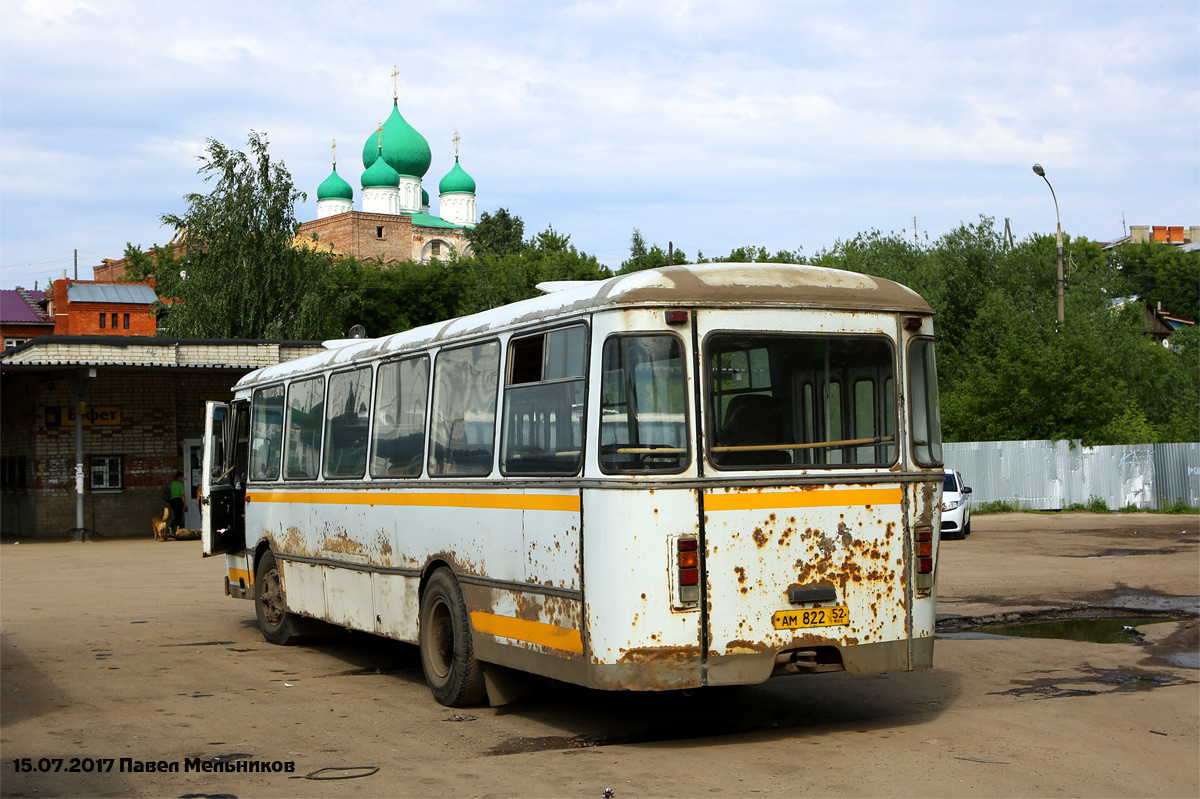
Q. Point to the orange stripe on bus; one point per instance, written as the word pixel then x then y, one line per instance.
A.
pixel 531 632
pixel 242 574
pixel 816 498
pixel 560 502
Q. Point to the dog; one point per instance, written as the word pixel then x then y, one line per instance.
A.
pixel 161 529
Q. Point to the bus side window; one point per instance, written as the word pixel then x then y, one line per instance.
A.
pixel 346 423
pixel 398 443
pixel 463 423
pixel 643 406
pixel 266 431
pixel 302 446
pixel 543 403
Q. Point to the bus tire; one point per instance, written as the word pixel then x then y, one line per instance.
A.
pixel 277 624
pixel 454 676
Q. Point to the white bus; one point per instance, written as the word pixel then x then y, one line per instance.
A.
pixel 698 475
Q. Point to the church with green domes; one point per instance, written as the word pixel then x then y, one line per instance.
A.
pixel 394 223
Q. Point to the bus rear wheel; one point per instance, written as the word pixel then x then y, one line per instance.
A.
pixel 454 676
pixel 278 625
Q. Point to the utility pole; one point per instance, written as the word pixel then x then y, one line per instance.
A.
pixel 670 253
pixel 76 263
pixel 1037 169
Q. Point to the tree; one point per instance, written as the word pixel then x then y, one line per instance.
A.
pixel 642 258
pixel 1163 273
pixel 497 235
pixel 245 276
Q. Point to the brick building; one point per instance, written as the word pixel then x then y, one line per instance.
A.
pixel 23 316
pixel 143 419
pixel 78 308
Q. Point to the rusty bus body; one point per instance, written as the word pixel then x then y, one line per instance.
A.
pixel 682 477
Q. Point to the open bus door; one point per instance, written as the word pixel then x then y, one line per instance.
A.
pixel 222 487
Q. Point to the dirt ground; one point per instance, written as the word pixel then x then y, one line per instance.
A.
pixel 129 649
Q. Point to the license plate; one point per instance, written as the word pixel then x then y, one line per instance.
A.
pixel 813 617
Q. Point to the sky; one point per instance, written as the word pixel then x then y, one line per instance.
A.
pixel 711 125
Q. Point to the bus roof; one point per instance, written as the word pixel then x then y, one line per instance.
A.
pixel 723 285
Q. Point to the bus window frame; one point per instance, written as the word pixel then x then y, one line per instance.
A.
pixel 429 435
pixel 287 418
pixel 502 410
pixel 689 437
pixel 913 445
pixel 711 423
pixel 255 409
pixel 325 421
pixel 425 415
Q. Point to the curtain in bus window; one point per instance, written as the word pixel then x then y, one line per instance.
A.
pixel 782 401
pixel 302 445
pixel 643 410
pixel 923 396
pixel 346 415
pixel 398 443
pixel 463 424
pixel 266 431
pixel 543 404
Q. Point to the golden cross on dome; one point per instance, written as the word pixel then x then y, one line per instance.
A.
pixel 395 74
pixel 456 140
pixel 335 153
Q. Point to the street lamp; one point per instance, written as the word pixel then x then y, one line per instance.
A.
pixel 1037 168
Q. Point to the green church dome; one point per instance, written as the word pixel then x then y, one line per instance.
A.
pixel 334 188
pixel 405 150
pixel 457 181
pixel 424 198
pixel 380 175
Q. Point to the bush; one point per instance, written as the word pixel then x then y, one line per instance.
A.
pixel 995 506
pixel 1175 506
pixel 1097 505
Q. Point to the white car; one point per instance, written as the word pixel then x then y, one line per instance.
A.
pixel 956 507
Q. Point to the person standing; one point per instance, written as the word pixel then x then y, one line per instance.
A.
pixel 178 502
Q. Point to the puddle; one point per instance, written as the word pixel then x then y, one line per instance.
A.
pixel 1097 631
pixel 1094 681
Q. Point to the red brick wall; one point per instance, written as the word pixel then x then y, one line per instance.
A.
pixel 83 318
pixel 357 233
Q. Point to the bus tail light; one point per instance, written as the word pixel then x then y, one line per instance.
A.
pixel 688 561
pixel 924 536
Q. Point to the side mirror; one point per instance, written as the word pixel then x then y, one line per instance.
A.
pixel 966 489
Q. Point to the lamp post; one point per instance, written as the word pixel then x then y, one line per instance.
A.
pixel 1037 168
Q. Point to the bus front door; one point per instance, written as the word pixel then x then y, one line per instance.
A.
pixel 220 503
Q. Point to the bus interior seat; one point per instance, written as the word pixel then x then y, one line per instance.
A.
pixel 751 419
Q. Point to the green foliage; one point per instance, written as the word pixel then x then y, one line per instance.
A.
pixel 388 300
pixel 1162 273
pixel 1097 505
pixel 244 276
pixel 642 257
pixel 995 506
pixel 141 265
pixel 497 235
pixel 1177 505
pixel 1007 370
pixel 758 255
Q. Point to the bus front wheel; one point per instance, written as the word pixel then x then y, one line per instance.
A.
pixel 278 626
pixel 454 675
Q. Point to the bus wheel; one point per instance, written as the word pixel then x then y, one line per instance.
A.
pixel 278 626
pixel 454 675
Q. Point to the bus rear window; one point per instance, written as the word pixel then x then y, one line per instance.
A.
pixel 781 401
pixel 643 410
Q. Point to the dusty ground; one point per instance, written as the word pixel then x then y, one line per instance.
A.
pixel 128 648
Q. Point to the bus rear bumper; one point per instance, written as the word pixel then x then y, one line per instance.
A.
pixel 672 672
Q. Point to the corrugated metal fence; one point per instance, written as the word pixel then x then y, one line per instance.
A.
pixel 1052 475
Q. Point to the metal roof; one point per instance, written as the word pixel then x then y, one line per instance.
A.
pixel 113 293
pixel 14 307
